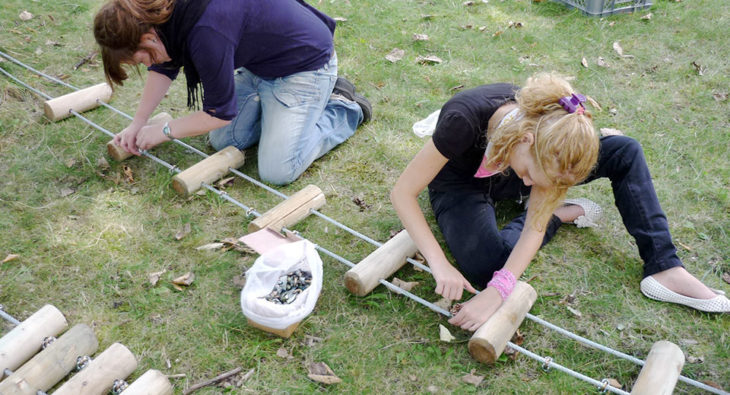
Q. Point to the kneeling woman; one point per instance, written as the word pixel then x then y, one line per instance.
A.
pixel 268 74
pixel 497 142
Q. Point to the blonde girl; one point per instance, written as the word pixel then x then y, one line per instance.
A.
pixel 498 142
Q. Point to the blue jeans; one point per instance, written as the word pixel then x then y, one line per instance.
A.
pixel 292 119
pixel 467 217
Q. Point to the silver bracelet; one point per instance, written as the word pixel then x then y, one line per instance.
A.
pixel 167 132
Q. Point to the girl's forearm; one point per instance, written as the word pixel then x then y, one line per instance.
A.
pixel 195 124
pixel 155 88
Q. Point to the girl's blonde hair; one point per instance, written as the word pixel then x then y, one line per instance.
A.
pixel 565 144
pixel 118 29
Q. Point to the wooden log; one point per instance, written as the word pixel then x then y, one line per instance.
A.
pixel 116 362
pixel 79 101
pixel 380 264
pixel 152 382
pixel 285 333
pixel 488 342
pixel 661 370
pixel 207 170
pixel 52 364
pixel 118 153
pixel 290 211
pixel 21 343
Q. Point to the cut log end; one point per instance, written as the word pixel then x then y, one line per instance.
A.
pixel 354 284
pixel 482 351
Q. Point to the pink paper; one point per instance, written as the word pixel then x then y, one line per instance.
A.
pixel 267 239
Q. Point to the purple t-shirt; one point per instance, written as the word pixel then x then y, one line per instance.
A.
pixel 271 39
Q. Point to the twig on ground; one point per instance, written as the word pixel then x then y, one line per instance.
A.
pixel 85 60
pixel 212 381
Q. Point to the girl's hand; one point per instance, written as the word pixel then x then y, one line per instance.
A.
pixel 127 138
pixel 477 311
pixel 449 282
pixel 150 136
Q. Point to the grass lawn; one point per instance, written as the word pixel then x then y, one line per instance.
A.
pixel 88 235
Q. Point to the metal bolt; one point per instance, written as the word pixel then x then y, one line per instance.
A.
pixel 47 341
pixel 119 386
pixel 82 362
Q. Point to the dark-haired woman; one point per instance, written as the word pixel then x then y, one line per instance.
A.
pixel 265 72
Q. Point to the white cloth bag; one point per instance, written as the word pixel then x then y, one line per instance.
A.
pixel 263 276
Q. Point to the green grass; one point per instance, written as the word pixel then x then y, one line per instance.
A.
pixel 89 252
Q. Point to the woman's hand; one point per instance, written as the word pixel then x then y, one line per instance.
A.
pixel 477 311
pixel 150 136
pixel 450 283
pixel 127 138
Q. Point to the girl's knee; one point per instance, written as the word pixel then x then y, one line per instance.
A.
pixel 279 175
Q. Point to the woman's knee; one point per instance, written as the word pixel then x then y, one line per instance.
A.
pixel 278 175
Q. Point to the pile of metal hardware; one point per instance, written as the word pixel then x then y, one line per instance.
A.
pixel 289 286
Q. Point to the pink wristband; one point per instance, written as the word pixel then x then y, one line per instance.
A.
pixel 504 282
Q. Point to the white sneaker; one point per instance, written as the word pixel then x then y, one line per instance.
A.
pixel 592 212
pixel 652 289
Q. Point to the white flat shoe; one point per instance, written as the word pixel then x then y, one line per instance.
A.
pixel 652 289
pixel 592 211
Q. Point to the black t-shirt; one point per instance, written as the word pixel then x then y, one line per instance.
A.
pixel 461 133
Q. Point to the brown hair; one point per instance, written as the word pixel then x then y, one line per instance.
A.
pixel 566 144
pixel 118 29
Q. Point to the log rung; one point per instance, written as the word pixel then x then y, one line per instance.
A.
pixel 207 170
pixel 380 264
pixel 292 210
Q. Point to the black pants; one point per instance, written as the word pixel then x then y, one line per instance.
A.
pixel 468 222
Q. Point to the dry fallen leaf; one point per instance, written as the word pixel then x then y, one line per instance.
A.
pixel 699 68
pixel 282 353
pixel 420 37
pixel 67 191
pixel 443 303
pixel 471 378
pixel 618 49
pixel 25 16
pixel 646 17
pixel 611 24
pixel 445 335
pixel 515 25
pixel 186 279
pixel 497 33
pixel 340 19
pixel 10 257
pixel 601 62
pixel 725 277
pixel 395 55
pixel 584 62
pixel 693 359
pixel 128 175
pixel 432 389
pixel 430 59
pixel 720 96
pixel 406 285
pixel 611 132
pixel 183 232
pixel 321 373
pixel 210 246
pixel 226 182
pixel 614 383
pixel 575 312
pixel 102 163
pixel 155 277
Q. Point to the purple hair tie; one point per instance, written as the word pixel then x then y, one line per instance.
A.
pixel 573 102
